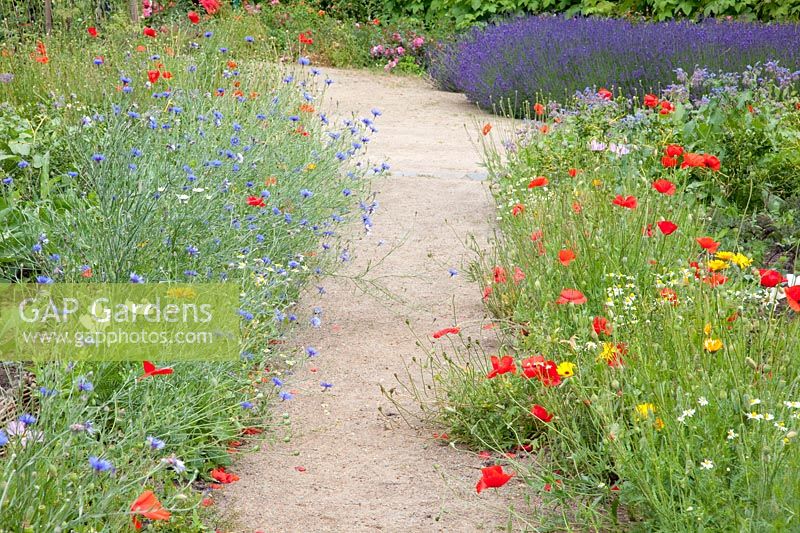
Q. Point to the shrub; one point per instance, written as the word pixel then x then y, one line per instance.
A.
pixel 544 57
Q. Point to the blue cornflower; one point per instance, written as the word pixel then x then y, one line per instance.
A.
pixel 305 193
pixel 23 164
pixel 249 39
pixel 55 258
pixel 190 273
pixel 27 419
pixel 311 351
pixel 247 405
pixel 294 118
pixel 192 250
pixel 135 152
pixel 277 382
pixel 326 385
pixel 285 395
pixel 72 174
pixel 44 280
pixel 136 278
pixel 47 393
pixel 315 322
pixel 3 438
pixel 97 158
pixel 293 264
pixel 8 181
pixel 245 314
pixel 100 465
pixel 304 61
pixel 223 50
pixel 154 443
pixel 452 271
pixel 376 112
pixel 85 385
pixel 208 34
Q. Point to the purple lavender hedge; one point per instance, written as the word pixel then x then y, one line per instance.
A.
pixel 553 57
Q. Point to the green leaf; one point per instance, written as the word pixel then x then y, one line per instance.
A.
pixel 19 148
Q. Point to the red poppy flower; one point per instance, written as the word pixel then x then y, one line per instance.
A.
pixel 605 94
pixel 667 227
pixel 770 278
pixel 691 159
pixel 519 275
pixel 211 6
pixel 149 32
pixel 715 279
pixel 571 296
pixel 224 477
pixel 601 326
pixel 712 162
pixel 305 37
pixel 167 75
pixel 153 75
pixel 207 502
pixel 673 150
pixel 664 187
pixel 487 292
pixel 538 109
pixel 486 129
pixel 499 274
pixel 537 367
pixel 669 295
pixel 650 100
pixel 91 30
pixel 793 297
pixel 666 108
pixel 518 209
pixel 577 208
pixel 256 201
pixel 252 431
pixel 566 257
pixel 572 172
pixel 541 413
pixel 148 506
pixel 539 181
pixel 647 231
pixel 492 477
pixel 628 202
pixel 194 18
pixel 502 365
pixel 150 370
pixel 446 331
pixel 709 244
pixel 669 162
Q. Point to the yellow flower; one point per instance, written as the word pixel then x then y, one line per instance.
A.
pixel 715 265
pixel 643 410
pixel 741 260
pixel 659 424
pixel 608 353
pixel 311 166
pixel 726 256
pixel 597 183
pixel 707 329
pixel 712 345
pixel 566 369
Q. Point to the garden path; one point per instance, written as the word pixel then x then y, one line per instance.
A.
pixel 365 468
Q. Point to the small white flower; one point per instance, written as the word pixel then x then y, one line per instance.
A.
pixel 702 401
pixel 792 405
pixel 687 413
pixel 769 416
pixel 755 401
pixel 732 434
pixel 707 464
pixel 754 416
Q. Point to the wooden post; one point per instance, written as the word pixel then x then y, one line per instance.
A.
pixel 134 9
pixel 48 16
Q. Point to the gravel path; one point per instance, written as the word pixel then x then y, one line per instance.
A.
pixel 363 470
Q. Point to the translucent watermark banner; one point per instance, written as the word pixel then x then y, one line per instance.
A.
pixel 119 321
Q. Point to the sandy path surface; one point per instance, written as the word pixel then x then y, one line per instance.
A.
pixel 365 471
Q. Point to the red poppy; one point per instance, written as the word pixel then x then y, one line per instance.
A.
pixel 149 32
pixel 664 187
pixel 605 94
pixel 667 227
pixel 486 129
pixel 499 274
pixel 305 37
pixel 666 108
pixel 492 477
pixel 256 201
pixel 519 275
pixel 539 181
pixel 628 202
pixel 224 477
pixel 167 75
pixel 669 295
pixel 148 506
pixel 770 278
pixel 715 279
pixel 487 292
pixel 650 100
pixel 194 18
pixel 538 109
pixel 541 413
pixel 712 162
pixel 601 326
pixel 207 502
pixel 502 365
pixel 91 30
pixel 153 75
pixel 709 244
pixel 565 257
pixel 577 208
pixel 211 6
pixel 446 331
pixel 793 297
pixel 669 162
pixel 691 159
pixel 571 296
pixel 647 231
pixel 546 371
pixel 572 172
pixel 87 273
pixel 150 370
pixel 252 431
pixel 673 150
pixel 518 209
